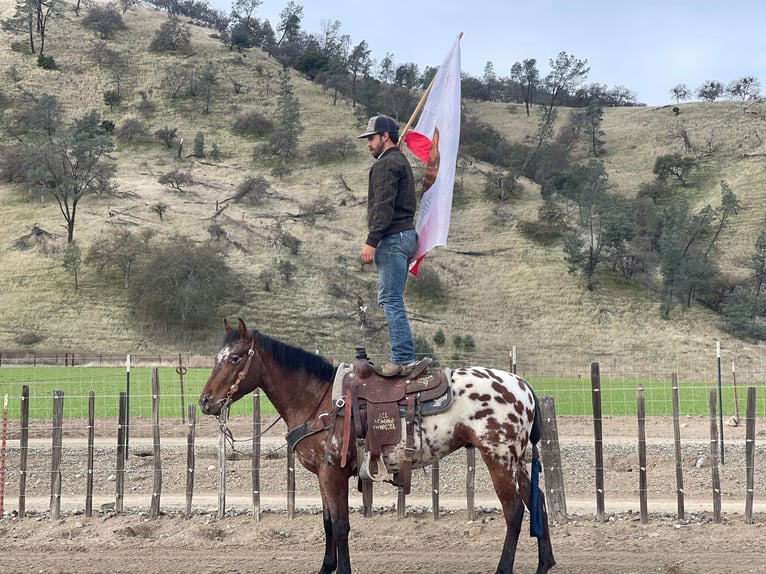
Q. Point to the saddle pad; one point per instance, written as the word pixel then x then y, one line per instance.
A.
pixel 337 384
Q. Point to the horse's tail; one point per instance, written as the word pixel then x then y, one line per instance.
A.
pixel 535 501
pixel 537 425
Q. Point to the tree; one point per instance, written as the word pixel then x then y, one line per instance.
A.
pixel 680 93
pixel 684 265
pixel 386 71
pixel 72 163
pixel 710 91
pixel 567 73
pixel 605 223
pixel 674 165
pixel 120 249
pixel 758 262
pixel 525 74
pixel 490 79
pixel 359 64
pixel 72 261
pixel 284 141
pixel 33 17
pixel 594 115
pixel 207 83
pixel 244 10
pixel 745 88
pixel 290 19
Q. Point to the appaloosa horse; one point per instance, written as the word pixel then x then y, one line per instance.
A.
pixel 492 410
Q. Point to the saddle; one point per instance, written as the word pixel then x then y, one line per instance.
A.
pixel 378 405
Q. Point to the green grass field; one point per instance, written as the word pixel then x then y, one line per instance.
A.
pixel 572 396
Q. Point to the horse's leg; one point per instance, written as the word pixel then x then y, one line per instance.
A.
pixel 513 510
pixel 545 560
pixel 334 487
pixel 330 560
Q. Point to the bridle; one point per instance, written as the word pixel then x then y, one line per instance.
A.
pixel 224 412
pixel 240 377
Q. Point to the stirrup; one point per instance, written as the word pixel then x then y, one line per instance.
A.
pixel 376 472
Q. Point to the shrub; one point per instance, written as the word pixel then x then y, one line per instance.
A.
pixel 199 145
pixel 130 129
pixel 423 348
pixel 427 285
pixel 166 135
pixel 253 189
pixel 46 62
pixel 112 98
pixel 329 150
pixel 252 124
pixel 107 126
pixel 182 284
pixel 171 37
pixel 176 179
pixel 439 338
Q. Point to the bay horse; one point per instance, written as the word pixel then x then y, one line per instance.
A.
pixel 492 410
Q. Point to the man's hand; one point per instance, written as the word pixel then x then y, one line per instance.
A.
pixel 368 252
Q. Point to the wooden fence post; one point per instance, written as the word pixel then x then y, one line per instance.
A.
pixel 58 428
pixel 677 444
pixel 190 458
pixel 290 483
pixel 401 502
pixel 367 494
pixel 750 454
pixel 255 460
pixel 23 450
pixel 641 411
pixel 595 380
pixel 435 489
pixel 89 472
pixel 551 455
pixel 714 462
pixel 154 512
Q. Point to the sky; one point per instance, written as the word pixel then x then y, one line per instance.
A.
pixel 647 46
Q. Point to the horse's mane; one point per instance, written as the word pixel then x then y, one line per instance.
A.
pixel 289 356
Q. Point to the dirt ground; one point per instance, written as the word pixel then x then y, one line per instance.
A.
pixel 276 544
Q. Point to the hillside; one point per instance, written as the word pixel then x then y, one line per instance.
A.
pixel 514 293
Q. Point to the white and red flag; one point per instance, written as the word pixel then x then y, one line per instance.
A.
pixel 434 140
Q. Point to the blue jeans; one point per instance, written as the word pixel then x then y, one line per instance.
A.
pixel 392 257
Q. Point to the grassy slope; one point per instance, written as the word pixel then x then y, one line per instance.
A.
pixel 522 296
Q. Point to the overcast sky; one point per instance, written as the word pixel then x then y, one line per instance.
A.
pixel 647 46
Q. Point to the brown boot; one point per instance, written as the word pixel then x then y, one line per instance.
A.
pixel 389 369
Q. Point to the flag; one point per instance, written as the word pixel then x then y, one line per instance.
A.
pixel 434 141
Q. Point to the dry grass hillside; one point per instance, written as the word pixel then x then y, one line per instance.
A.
pixel 516 293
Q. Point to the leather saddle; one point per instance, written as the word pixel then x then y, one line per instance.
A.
pixel 378 405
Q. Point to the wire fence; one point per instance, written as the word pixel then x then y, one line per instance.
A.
pixel 182 377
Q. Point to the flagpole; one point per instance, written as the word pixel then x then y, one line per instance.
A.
pixel 421 103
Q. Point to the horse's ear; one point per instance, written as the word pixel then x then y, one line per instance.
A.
pixel 226 326
pixel 243 332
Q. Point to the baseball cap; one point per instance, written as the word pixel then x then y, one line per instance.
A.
pixel 380 124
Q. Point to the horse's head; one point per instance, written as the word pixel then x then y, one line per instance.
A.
pixel 233 375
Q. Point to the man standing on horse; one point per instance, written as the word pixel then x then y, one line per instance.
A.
pixel 391 237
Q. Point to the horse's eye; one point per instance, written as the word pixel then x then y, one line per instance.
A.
pixel 235 359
